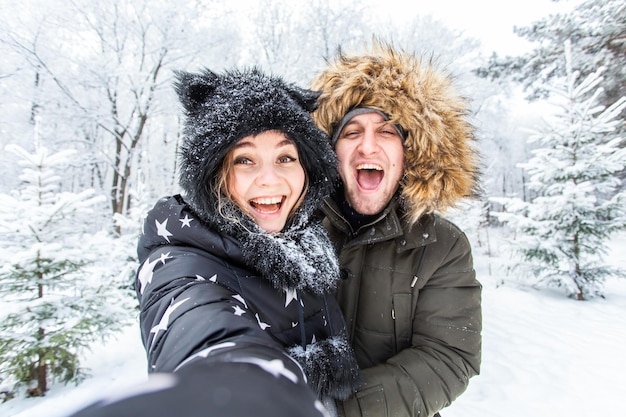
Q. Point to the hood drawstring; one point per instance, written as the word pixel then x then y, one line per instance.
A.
pixel 329 363
pixel 301 321
pixel 327 316
pixel 331 331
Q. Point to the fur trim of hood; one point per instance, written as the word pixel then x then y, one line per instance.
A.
pixel 441 163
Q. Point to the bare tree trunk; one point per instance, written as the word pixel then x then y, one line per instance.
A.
pixel 580 296
pixel 41 369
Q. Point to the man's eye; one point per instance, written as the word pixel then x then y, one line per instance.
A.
pixel 388 130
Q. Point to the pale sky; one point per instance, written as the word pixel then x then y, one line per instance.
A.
pixel 491 21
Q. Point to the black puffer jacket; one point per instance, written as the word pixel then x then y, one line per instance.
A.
pixel 202 298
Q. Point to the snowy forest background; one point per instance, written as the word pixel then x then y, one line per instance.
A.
pixel 89 127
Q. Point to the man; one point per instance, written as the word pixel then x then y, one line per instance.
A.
pixel 410 297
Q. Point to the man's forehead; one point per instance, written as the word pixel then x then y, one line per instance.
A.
pixel 362 118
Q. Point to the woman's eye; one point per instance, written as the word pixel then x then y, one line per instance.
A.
pixel 286 158
pixel 241 161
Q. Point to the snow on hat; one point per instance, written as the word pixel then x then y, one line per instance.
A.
pixel 222 108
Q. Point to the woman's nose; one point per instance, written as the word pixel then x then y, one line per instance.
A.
pixel 267 175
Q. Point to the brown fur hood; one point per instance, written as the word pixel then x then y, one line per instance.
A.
pixel 441 163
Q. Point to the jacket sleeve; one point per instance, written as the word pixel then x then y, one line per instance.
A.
pixel 227 371
pixel 445 349
pixel 187 317
pixel 210 389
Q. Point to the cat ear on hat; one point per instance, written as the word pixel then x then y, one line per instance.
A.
pixel 193 89
pixel 307 99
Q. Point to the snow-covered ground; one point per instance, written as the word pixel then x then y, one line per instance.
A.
pixel 543 355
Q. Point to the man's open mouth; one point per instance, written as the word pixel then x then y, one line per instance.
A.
pixel 267 205
pixel 369 176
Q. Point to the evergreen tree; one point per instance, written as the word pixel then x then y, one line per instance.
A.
pixel 597 31
pixel 56 298
pixel 562 231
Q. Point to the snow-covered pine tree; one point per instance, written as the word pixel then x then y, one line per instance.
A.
pixel 562 232
pixel 596 31
pixel 55 300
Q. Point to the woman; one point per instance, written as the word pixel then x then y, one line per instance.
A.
pixel 239 270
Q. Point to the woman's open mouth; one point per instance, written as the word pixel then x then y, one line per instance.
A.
pixel 369 176
pixel 267 205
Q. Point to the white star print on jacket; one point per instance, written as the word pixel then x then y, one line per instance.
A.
pixel 147 270
pixel 165 319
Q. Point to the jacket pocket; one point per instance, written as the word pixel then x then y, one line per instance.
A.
pixel 372 402
pixel 402 319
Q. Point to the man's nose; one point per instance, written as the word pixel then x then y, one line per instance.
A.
pixel 369 142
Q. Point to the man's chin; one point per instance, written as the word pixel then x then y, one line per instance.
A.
pixel 368 205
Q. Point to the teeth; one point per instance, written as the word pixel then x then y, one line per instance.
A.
pixel 370 166
pixel 267 200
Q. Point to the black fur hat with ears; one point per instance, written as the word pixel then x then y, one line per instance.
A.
pixel 222 108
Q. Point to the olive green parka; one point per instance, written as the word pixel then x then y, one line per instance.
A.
pixel 410 296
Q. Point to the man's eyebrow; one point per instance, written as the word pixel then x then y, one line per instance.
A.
pixel 351 122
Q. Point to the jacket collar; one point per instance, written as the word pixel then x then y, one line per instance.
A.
pixel 387 226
